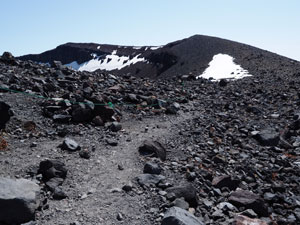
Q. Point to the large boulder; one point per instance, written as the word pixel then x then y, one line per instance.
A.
pixel 153 148
pixel 148 179
pixel 52 169
pixel 18 200
pixel 268 137
pixel 5 114
pixel 178 216
pixel 187 191
pixel 82 112
pixel 244 220
pixel 249 200
pixel 8 58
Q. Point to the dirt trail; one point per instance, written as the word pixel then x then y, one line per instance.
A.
pixel 93 186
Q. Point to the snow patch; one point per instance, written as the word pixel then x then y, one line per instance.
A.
pixel 99 47
pixel 137 47
pixel 156 47
pixel 110 62
pixel 222 66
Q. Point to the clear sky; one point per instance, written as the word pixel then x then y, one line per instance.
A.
pixel 34 26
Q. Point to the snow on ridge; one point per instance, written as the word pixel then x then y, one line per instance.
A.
pixel 110 62
pixel 156 47
pixel 222 66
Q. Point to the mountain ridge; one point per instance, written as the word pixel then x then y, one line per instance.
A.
pixel 187 56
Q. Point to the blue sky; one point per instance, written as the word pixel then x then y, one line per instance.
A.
pixel 34 26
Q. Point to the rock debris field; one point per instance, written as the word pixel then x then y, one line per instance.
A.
pixel 80 148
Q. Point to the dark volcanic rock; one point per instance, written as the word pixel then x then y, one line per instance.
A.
pixel 225 181
pixel 18 200
pixel 178 216
pixel 152 168
pixel 52 169
pixel 249 200
pixel 188 192
pixel 173 108
pixel 115 127
pixel 5 114
pixel 59 194
pixel 153 148
pixel 268 137
pixel 82 113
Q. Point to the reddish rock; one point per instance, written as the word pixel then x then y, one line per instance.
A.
pixel 244 220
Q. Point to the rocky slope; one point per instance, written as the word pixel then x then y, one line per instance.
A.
pixel 105 149
pixel 188 56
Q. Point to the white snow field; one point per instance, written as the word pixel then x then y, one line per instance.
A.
pixel 110 62
pixel 222 66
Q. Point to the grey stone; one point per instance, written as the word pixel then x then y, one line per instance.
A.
pixel 181 203
pixel 268 137
pixel 152 168
pixel 153 148
pixel 5 114
pixel 188 192
pixel 178 216
pixel 18 200
pixel 70 145
pixel 249 200
pixel 147 179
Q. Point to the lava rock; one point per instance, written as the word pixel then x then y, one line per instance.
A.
pixel 173 108
pixel 115 127
pixel 97 120
pixel 54 183
pixel 105 112
pixel 188 192
pixel 8 58
pixel 225 181
pixel 59 194
pixel 244 220
pixel 268 137
pixel 223 83
pixel 178 216
pixel 81 113
pixel 70 145
pixel 148 179
pixel 181 203
pixel 112 142
pixel 60 118
pixel 52 168
pixel 152 168
pixel 19 200
pixel 153 148
pixel 5 114
pixel 85 154
pixel 249 200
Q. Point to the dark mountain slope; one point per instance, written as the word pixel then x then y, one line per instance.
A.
pixel 187 56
